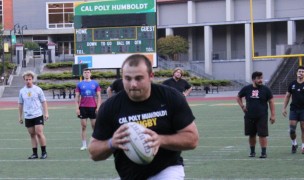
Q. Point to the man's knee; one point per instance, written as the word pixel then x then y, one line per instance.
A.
pixel 292 130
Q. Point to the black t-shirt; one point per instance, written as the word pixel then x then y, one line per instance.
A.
pixel 297 91
pixel 117 85
pixel 166 111
pixel 256 100
pixel 181 85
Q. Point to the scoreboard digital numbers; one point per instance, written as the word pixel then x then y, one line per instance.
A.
pixel 106 32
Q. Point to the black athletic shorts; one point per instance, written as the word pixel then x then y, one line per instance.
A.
pixel 297 115
pixel 35 121
pixel 256 126
pixel 87 112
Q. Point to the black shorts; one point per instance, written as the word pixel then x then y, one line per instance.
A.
pixel 256 126
pixel 297 115
pixel 35 121
pixel 87 112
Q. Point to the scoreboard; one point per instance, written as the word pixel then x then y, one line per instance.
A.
pixel 113 40
pixel 105 39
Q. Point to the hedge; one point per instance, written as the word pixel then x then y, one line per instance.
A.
pixel 49 86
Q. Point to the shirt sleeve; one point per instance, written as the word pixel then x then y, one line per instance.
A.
pixel 20 99
pixel 182 114
pixel 103 127
pixel 242 92
pixel 77 88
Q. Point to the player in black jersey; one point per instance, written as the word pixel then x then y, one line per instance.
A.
pixel 257 98
pixel 178 82
pixel 163 110
pixel 296 114
pixel 116 86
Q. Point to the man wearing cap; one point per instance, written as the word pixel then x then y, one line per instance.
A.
pixel 178 83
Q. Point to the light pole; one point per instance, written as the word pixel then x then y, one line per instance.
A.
pixel 22 28
pixel 24 49
pixel 14 29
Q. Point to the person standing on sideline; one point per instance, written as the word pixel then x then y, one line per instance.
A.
pixel 31 102
pixel 178 83
pixel 172 131
pixel 116 86
pixel 86 106
pixel 257 98
pixel 296 114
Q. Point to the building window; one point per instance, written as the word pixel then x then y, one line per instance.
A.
pixel 1 12
pixel 60 15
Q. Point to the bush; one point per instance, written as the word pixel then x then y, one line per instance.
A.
pixel 57 76
pixel 68 75
pixel 59 65
pixel 50 86
pixel 206 82
pixel 168 73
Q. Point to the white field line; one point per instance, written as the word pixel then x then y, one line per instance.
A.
pixel 50 178
pixel 51 160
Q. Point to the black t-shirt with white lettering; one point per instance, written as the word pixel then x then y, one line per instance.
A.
pixel 297 93
pixel 181 85
pixel 256 100
pixel 166 111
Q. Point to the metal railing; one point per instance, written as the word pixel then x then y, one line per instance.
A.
pixel 285 80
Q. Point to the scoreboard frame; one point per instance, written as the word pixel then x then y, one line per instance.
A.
pixel 107 32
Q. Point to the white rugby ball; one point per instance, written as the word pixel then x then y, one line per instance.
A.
pixel 138 150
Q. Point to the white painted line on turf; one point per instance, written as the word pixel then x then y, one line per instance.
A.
pixel 51 160
pixel 69 147
pixel 62 178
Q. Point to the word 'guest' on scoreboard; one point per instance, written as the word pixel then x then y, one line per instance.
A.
pixel 106 32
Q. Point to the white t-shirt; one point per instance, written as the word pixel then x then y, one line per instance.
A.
pixel 31 98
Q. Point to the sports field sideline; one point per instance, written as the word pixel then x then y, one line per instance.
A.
pixel 222 152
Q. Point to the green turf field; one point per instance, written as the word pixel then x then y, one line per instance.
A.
pixel 221 154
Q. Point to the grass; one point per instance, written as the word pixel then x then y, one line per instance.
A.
pixel 222 152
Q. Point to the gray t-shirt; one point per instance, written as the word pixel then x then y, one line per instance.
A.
pixel 31 98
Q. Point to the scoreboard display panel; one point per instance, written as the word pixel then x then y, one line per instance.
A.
pixel 136 39
pixel 103 39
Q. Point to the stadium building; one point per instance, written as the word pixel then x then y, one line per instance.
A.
pixel 219 32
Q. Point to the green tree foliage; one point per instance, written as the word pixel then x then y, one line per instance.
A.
pixel 31 45
pixel 172 46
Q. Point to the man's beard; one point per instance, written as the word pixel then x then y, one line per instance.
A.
pixel 258 85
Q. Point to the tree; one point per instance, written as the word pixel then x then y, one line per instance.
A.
pixel 172 46
pixel 31 45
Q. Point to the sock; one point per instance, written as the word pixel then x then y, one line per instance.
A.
pixel 294 142
pixel 263 150
pixel 35 150
pixel 84 143
pixel 43 149
pixel 252 149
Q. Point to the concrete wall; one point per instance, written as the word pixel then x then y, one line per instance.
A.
pixel 235 70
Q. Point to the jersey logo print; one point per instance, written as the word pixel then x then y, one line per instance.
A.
pixel 255 94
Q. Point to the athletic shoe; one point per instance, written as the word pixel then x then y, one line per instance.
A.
pixel 302 150
pixel 251 155
pixel 33 156
pixel 43 156
pixel 294 149
pixel 83 148
pixel 263 156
